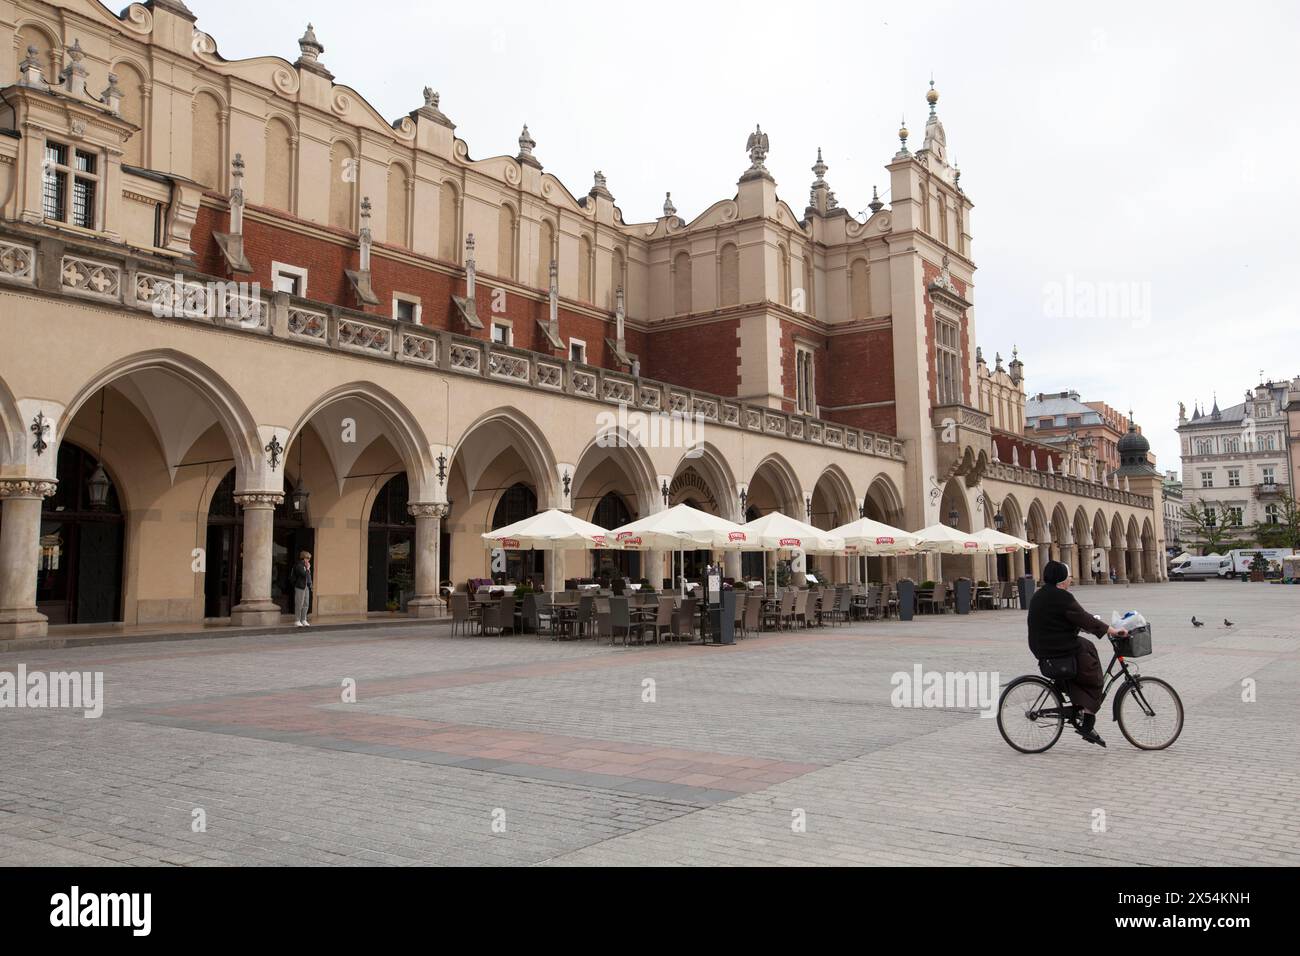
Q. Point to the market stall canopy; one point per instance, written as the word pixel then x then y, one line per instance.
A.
pixel 945 540
pixel 778 532
pixel 869 537
pixel 681 528
pixel 552 530
pixel 999 542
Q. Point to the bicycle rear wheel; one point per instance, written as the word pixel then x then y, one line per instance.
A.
pixel 1149 713
pixel 1021 718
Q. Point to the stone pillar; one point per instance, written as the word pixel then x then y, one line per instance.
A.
pixel 20 552
pixel 255 607
pixel 1135 555
pixel 653 568
pixel 428 559
pixel 1069 556
pixel 731 565
pixel 1083 573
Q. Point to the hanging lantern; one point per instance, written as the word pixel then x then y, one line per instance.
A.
pixel 98 486
pixel 953 518
pixel 999 521
pixel 298 500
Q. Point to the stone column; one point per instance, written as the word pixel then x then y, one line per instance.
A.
pixel 20 552
pixel 1136 557
pixel 255 607
pixel 652 568
pixel 1104 576
pixel 731 565
pixel 1069 557
pixel 1083 573
pixel 428 559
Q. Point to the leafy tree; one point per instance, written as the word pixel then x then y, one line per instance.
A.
pixel 1210 529
pixel 1285 533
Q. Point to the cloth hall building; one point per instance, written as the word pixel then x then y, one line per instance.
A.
pixel 244 314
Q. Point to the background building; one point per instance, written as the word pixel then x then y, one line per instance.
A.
pixel 1173 509
pixel 1235 460
pixel 1054 417
pixel 257 316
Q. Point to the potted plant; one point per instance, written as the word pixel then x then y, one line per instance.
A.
pixel 404 583
pixel 1258 567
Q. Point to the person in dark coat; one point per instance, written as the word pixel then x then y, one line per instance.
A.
pixel 300 578
pixel 1055 620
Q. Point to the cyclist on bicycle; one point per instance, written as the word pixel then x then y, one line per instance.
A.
pixel 1055 620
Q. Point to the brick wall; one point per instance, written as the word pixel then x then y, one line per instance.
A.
pixel 860 370
pixel 702 357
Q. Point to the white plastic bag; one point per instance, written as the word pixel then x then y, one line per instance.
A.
pixel 1128 621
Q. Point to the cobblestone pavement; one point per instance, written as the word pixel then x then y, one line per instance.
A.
pixel 518 751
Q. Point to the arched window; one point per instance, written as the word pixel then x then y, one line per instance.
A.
pixel 506 242
pixel 545 253
pixel 682 283
pixel 278 191
pixel 519 502
pixel 860 289
pixel 206 161
pixel 585 272
pixel 343 185
pixel 399 187
pixel 730 292
pixel 79 577
pixel 390 557
pixel 132 110
pixel 448 226
pixel 612 512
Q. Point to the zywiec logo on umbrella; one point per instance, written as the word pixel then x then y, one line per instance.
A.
pixel 629 540
pixel 737 536
pixel 884 540
pixel 791 543
pixel 850 549
pixel 970 545
pixel 598 540
pixel 512 543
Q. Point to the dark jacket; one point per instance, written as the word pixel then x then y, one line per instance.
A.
pixel 1055 620
pixel 300 576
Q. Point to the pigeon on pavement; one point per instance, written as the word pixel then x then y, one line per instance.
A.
pixel 1196 623
pixel 1227 623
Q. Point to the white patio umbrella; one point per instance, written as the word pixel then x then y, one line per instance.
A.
pixel 552 530
pixel 994 541
pixel 942 540
pixel 779 532
pixel 868 537
pixel 681 528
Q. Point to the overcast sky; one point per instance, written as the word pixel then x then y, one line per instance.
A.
pixel 1132 165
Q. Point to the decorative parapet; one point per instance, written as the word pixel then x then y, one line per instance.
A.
pixel 1017 475
pixel 187 296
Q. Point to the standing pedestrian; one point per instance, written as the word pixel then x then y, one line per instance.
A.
pixel 302 584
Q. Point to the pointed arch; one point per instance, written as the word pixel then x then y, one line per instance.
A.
pixel 527 439
pixel 229 409
pixel 778 473
pixel 404 430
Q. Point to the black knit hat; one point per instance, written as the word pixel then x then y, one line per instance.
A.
pixel 1055 572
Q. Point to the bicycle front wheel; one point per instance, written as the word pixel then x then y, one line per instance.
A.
pixel 1150 713
pixel 1029 715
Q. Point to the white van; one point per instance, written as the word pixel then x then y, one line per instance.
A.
pixel 1210 566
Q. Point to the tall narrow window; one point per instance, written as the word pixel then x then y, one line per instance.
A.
pixel 860 289
pixel 948 359
pixel 80 169
pixel 805 394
